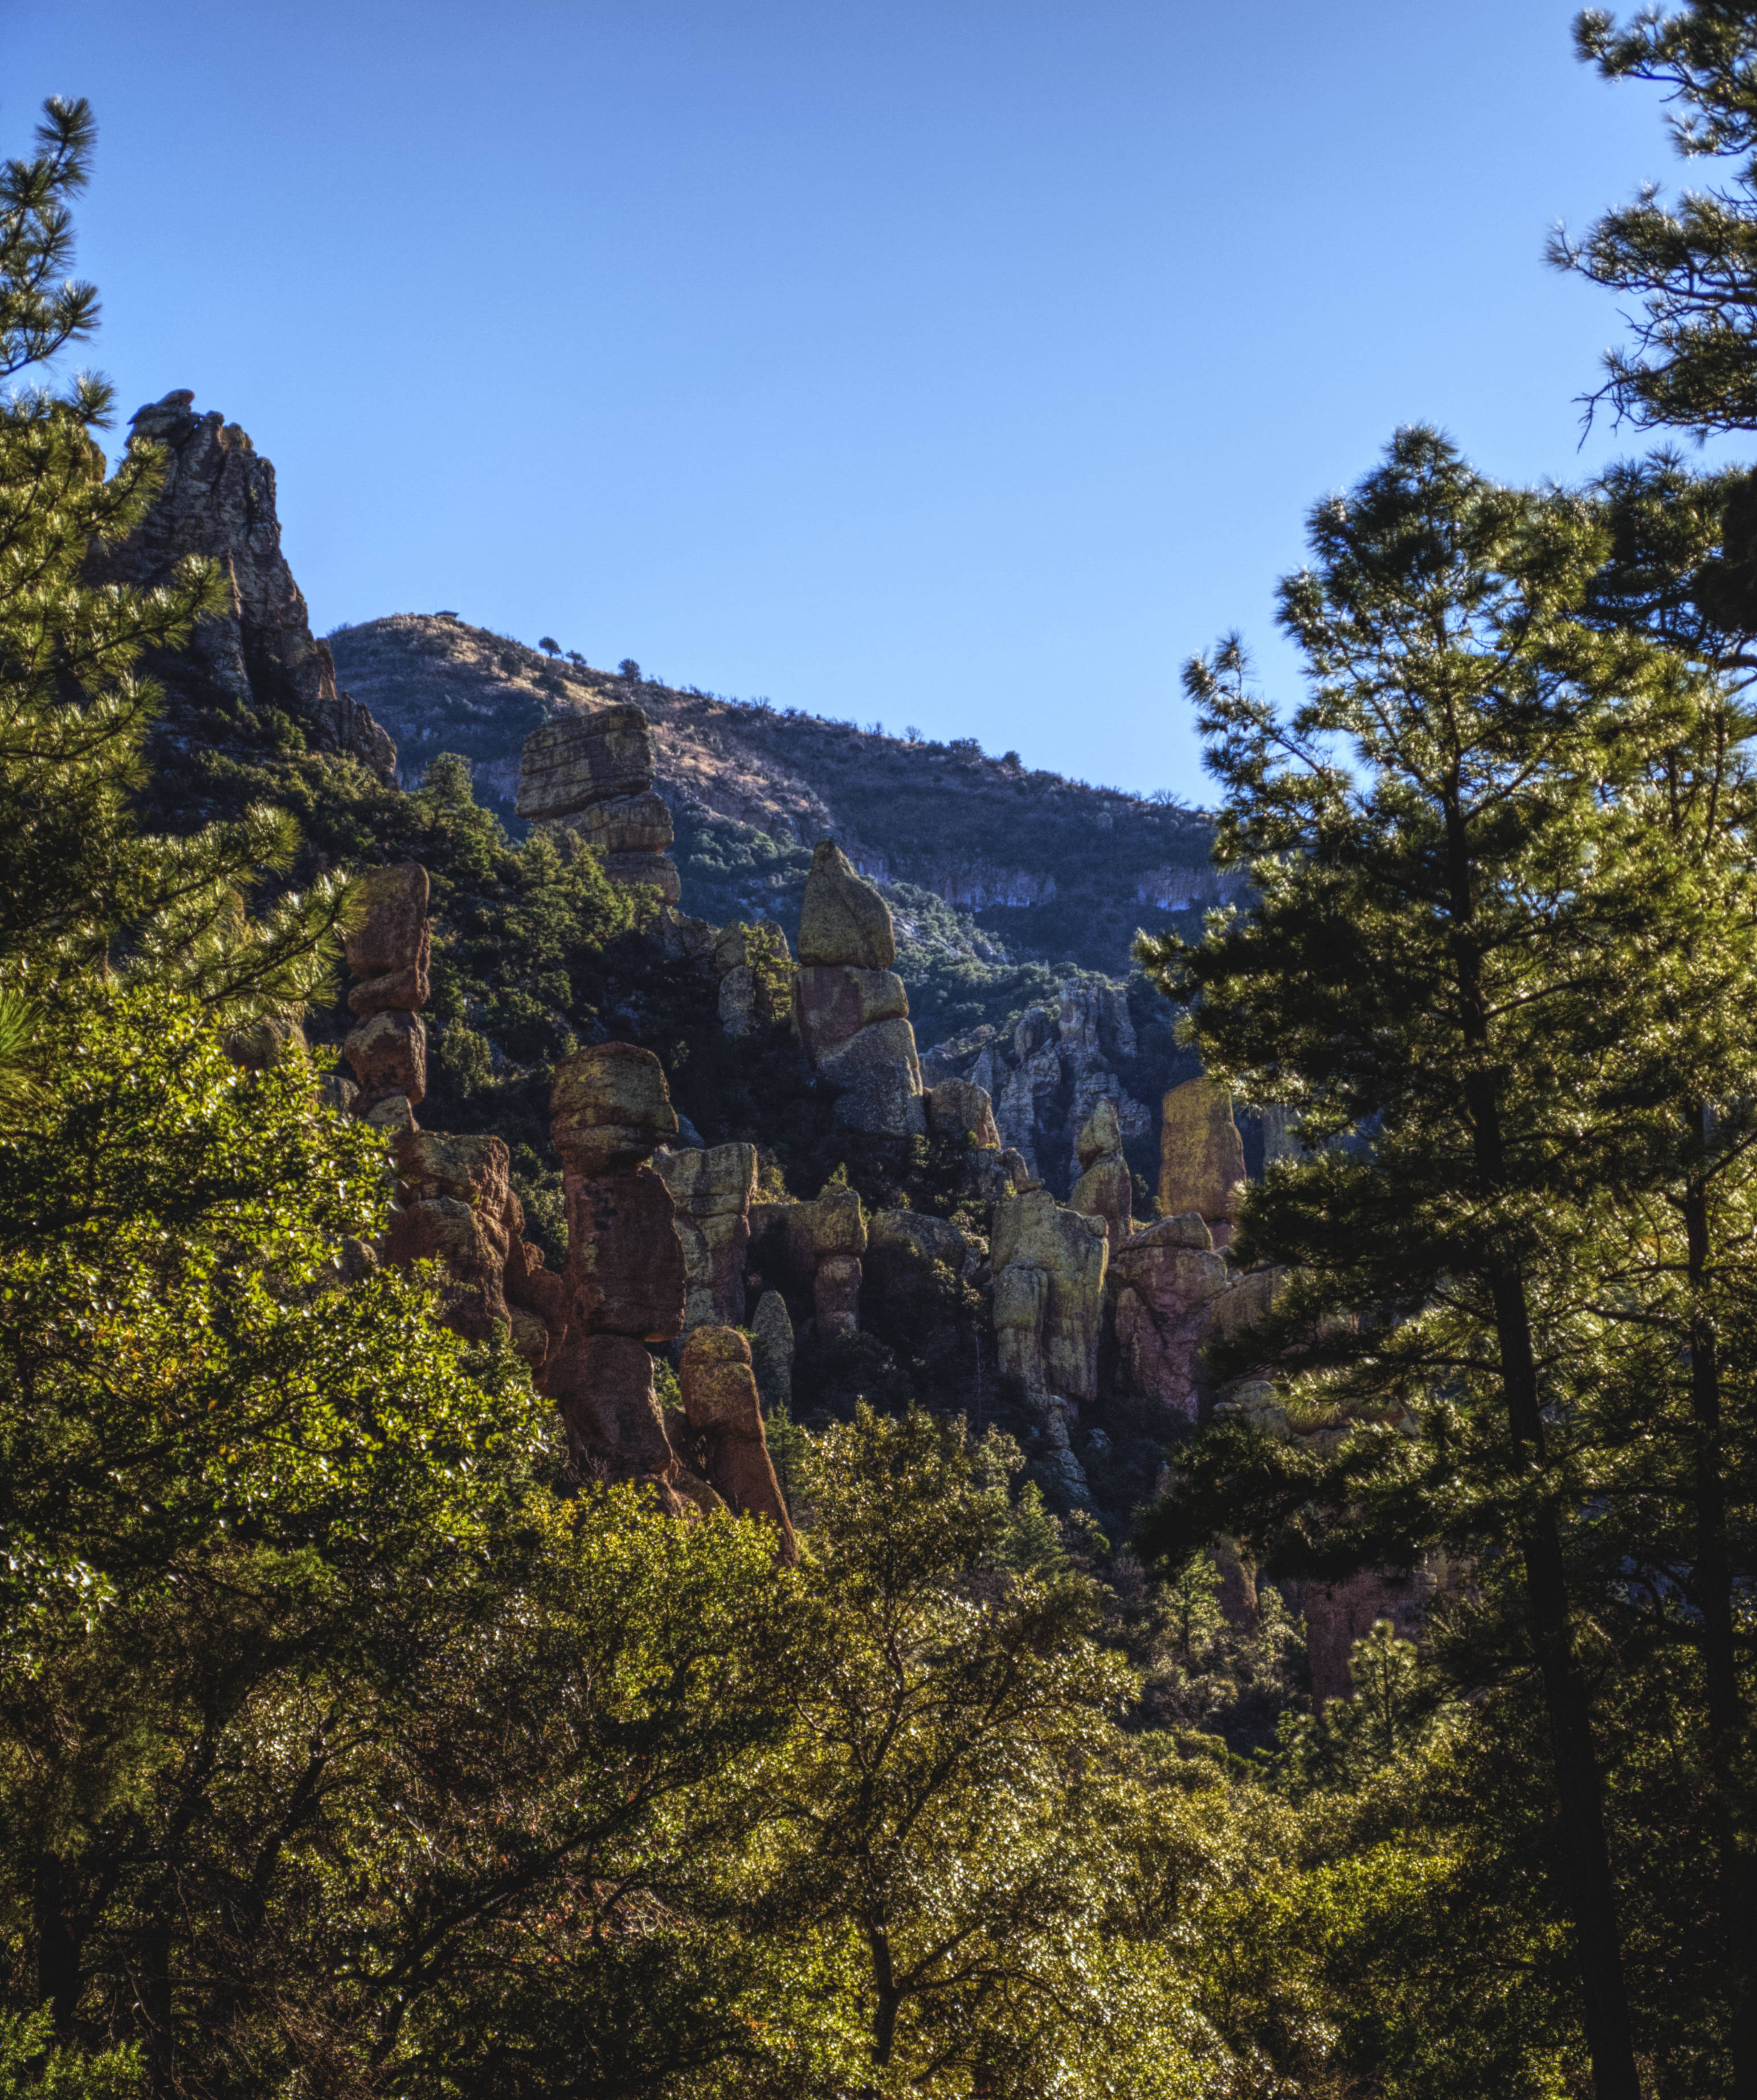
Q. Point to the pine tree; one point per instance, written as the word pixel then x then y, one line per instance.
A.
pixel 80 885
pixel 1459 903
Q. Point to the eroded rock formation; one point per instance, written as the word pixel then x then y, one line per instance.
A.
pixel 217 501
pixel 388 951
pixel 850 1005
pixel 593 772
pixel 1201 1156
pixel 724 1411
pixel 711 1193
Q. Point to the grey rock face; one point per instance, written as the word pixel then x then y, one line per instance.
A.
pixel 1047 1079
pixel 219 501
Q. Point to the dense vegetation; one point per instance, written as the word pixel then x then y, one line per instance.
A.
pixel 350 1746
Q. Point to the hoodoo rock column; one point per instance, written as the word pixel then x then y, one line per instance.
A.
pixel 850 1005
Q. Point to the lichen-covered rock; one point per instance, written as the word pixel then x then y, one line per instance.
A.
pixel 712 1191
pixel 1200 1155
pixel 625 1260
pixel 608 1106
pixel 717 1181
pixel 721 1402
pixel 833 1002
pixel 880 1100
pixel 1102 1134
pixel 959 1109
pixel 833 1225
pixel 1251 1297
pixel 655 871
pixel 736 1003
pixel 1021 1298
pixel 393 933
pixel 473 1169
pixel 842 918
pixel 771 1350
pixel 388 1052
pixel 581 759
pixel 1072 1250
pixel 1105 1190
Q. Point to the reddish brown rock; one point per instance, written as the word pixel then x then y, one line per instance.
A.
pixel 475 1170
pixel 719 1390
pixel 263 1044
pixel 389 1054
pixel 624 1261
pixel 832 1002
pixel 1164 1288
pixel 400 991
pixel 472 1299
pixel 393 934
pixel 582 759
pixel 1338 1614
pixel 603 1385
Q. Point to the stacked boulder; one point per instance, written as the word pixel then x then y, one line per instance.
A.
pixel 610 1111
pixel 711 1193
pixel 850 1005
pixel 388 951
pixel 593 773
pixel 1048 1267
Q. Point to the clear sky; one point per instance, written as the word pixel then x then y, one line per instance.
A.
pixel 964 363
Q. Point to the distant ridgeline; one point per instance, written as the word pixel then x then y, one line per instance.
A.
pixel 983 859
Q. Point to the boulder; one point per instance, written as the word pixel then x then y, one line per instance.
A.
pixel 1101 1135
pixel 958 1108
pixel 719 1181
pixel 624 1261
pixel 842 918
pixel 712 1191
pixel 1186 1230
pixel 1021 1298
pixel 393 1115
pixel 656 870
pixel 1106 1190
pixel 880 1100
pixel 771 1350
pixel 737 1000
pixel 474 1170
pixel 266 1042
pixel 609 1106
pixel 568 764
pixel 1200 1155
pixel 721 1401
pixel 833 1225
pixel 1251 1297
pixel 389 1054
pixel 833 1002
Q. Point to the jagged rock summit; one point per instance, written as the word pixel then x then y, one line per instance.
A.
pixel 217 501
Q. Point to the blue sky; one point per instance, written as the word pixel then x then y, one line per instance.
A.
pixel 964 363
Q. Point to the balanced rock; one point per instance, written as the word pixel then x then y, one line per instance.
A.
pixel 629 824
pixel 834 1002
pixel 609 1106
pixel 267 1042
pixel 721 1400
pixel 388 1052
pixel 1071 1250
pixel 1105 1188
pixel 568 764
pixel 843 919
pixel 1200 1155
pixel 390 947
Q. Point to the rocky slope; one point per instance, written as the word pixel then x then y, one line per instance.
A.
pixel 1052 869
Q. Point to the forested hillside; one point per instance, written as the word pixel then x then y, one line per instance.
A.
pixel 705 1445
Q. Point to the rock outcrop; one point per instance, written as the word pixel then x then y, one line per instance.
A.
pixel 711 1191
pixel 814 1249
pixel 771 1350
pixel 1105 1188
pixel 217 502
pixel 625 1282
pixel 850 1005
pixel 1164 1280
pixel 1046 1079
pixel 723 1409
pixel 1201 1156
pixel 593 773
